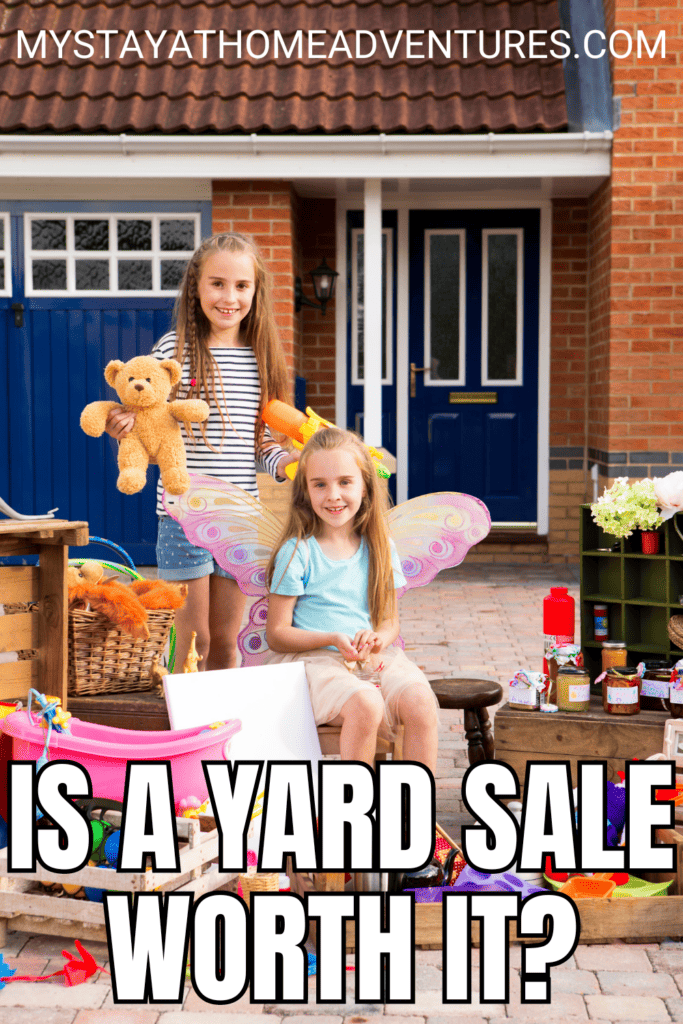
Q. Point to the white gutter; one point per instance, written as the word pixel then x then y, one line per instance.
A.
pixel 281 156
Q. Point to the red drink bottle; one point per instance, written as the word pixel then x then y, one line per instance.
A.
pixel 558 619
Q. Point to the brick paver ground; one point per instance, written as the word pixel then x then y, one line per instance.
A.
pixel 475 620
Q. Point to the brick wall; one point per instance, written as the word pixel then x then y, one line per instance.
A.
pixel 636 422
pixel 266 210
pixel 317 242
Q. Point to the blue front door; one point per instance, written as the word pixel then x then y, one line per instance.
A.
pixel 473 352
pixel 55 357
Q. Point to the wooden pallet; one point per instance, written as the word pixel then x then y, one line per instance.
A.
pixel 26 907
pixel 633 919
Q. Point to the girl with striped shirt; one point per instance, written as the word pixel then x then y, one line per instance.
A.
pixel 226 341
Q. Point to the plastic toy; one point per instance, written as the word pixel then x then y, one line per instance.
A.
pixel 104 751
pixel 581 887
pixel 299 427
pixel 431 533
pixel 143 384
pixel 192 660
pixel 470 880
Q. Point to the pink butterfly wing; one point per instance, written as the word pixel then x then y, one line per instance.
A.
pixel 435 532
pixel 252 640
pixel 239 532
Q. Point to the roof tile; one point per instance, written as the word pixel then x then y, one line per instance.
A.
pixel 228 94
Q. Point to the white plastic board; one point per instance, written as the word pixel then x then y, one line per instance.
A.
pixel 272 702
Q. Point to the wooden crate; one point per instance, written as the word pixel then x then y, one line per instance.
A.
pixel 633 919
pixel 573 736
pixel 41 632
pixel 26 907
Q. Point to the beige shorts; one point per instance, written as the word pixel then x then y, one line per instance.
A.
pixel 331 684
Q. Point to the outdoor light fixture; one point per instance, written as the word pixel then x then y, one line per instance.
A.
pixel 323 286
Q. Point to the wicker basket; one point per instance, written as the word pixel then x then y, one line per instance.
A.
pixel 265 882
pixel 675 630
pixel 106 660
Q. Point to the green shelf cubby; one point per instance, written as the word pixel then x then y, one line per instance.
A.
pixel 641 592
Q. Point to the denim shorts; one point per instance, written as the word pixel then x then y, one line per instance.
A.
pixel 178 559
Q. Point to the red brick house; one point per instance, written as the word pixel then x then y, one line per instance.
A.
pixel 516 217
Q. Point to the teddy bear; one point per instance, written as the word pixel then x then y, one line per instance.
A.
pixel 143 385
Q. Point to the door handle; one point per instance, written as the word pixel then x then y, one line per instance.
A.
pixel 414 370
pixel 18 310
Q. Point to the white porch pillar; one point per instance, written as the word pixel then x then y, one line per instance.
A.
pixel 372 312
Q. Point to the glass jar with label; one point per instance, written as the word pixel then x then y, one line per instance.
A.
pixel 573 688
pixel 676 691
pixel 613 654
pixel 654 692
pixel 621 691
pixel 558 656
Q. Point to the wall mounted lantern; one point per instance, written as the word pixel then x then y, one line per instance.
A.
pixel 323 286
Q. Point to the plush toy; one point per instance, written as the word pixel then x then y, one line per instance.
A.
pixel 159 593
pixel 112 599
pixel 143 384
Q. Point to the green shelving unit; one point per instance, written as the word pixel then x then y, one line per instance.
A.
pixel 640 591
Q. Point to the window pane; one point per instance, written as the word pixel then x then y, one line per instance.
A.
pixel 48 234
pixel 444 306
pixel 134 235
pixel 2 273
pixel 49 274
pixel 92 274
pixel 135 275
pixel 172 273
pixel 176 235
pixel 92 235
pixel 360 294
pixel 502 307
pixel 2 234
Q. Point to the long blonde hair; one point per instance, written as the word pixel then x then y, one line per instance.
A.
pixel 258 329
pixel 370 522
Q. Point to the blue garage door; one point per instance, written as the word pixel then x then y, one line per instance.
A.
pixel 83 284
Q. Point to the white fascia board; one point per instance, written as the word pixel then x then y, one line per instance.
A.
pixel 303 156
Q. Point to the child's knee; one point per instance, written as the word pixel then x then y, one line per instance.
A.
pixel 417 704
pixel 366 705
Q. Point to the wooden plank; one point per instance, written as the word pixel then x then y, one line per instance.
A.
pixel 44 905
pixel 53 612
pixel 16 678
pixel 18 632
pixel 19 583
pixel 53 926
pixel 517 760
pixel 75 537
pixel 26 528
pixel 15 546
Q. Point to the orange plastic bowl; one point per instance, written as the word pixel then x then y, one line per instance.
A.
pixel 580 888
pixel 672 794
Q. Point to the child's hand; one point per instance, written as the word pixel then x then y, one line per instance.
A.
pixel 345 646
pixel 119 423
pixel 367 641
pixel 285 461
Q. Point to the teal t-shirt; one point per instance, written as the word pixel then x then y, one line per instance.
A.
pixel 332 595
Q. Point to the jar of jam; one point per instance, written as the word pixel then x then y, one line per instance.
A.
pixel 621 691
pixel 573 688
pixel 557 657
pixel 654 692
pixel 613 654
pixel 526 689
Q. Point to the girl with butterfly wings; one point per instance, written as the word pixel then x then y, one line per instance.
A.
pixel 226 341
pixel 334 576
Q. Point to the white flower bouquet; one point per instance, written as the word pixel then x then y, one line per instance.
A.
pixel 623 508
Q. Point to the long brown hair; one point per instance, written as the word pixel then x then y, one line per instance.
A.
pixel 370 522
pixel 258 329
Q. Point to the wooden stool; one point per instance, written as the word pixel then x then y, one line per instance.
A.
pixel 473 696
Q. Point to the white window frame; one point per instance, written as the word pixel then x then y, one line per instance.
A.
pixel 6 254
pixel 112 255
pixel 518 380
pixel 427 352
pixel 389 310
